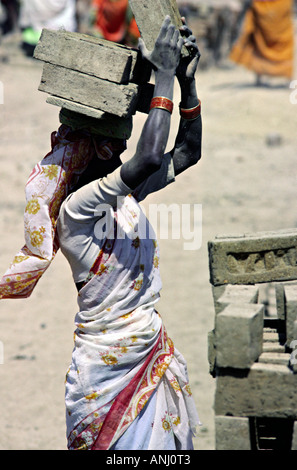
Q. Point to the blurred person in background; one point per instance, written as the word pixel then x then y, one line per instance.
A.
pixel 266 42
pixel 11 12
pixel 38 14
pixel 113 20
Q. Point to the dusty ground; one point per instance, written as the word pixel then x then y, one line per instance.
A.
pixel 242 183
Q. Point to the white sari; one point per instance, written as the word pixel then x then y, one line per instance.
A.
pixel 126 388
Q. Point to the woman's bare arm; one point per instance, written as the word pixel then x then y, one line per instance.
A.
pixel 153 140
pixel 187 149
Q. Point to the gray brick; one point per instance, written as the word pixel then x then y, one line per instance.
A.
pixel 291 311
pixel 273 347
pixel 217 292
pixel 275 358
pixel 149 18
pixel 235 294
pixel 120 100
pixel 266 390
pixel 232 433
pixel 253 258
pixel 280 297
pixel 294 437
pixel 75 107
pixel 88 54
pixel 145 96
pixel 280 300
pixel 211 351
pixel 239 335
pixel 293 347
pixel 270 335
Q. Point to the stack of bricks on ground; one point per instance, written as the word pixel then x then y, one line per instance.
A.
pixel 92 76
pixel 251 348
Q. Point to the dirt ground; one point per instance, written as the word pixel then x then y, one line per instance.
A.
pixel 243 184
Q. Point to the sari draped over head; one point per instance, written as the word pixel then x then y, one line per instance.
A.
pixel 266 44
pixel 122 357
pixel 49 183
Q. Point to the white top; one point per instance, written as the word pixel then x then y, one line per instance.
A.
pixel 51 14
pixel 78 215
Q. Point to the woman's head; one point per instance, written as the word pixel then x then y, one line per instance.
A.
pixel 106 159
pixel 109 135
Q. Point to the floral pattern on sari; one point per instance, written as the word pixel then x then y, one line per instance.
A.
pixel 122 353
pixel 48 185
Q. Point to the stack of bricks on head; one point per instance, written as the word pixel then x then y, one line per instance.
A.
pixel 253 346
pixel 99 78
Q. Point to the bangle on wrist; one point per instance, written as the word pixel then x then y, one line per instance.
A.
pixel 192 113
pixel 161 102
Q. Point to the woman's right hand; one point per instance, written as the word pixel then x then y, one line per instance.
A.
pixel 165 56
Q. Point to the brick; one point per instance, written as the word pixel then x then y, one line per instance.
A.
pixel 145 95
pixel 234 294
pixel 88 54
pixel 291 311
pixel 75 107
pixel 239 335
pixel 294 437
pixel 280 300
pixel 293 347
pixel 149 19
pixel 273 341
pixel 268 299
pixel 120 100
pixel 217 292
pixel 266 390
pixel 253 258
pixel 273 347
pixel 270 335
pixel 275 358
pixel 211 352
pixel 232 433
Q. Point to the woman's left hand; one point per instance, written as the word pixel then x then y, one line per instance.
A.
pixel 188 65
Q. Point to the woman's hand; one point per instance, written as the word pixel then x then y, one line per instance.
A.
pixel 188 65
pixel 165 56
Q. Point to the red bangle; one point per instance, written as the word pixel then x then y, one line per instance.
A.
pixel 192 113
pixel 162 103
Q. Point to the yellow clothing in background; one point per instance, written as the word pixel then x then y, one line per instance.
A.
pixel 266 44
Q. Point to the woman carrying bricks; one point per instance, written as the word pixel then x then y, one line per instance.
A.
pixel 127 386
